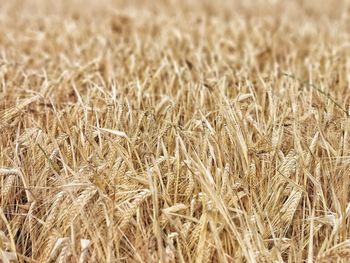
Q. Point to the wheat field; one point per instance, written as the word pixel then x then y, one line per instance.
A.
pixel 174 131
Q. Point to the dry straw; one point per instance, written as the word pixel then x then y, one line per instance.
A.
pixel 169 131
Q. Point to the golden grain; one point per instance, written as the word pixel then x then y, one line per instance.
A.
pixel 174 131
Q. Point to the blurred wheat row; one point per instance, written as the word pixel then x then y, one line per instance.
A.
pixel 174 131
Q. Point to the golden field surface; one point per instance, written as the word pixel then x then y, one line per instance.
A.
pixel 174 131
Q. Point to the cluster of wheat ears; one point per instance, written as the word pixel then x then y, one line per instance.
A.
pixel 174 131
